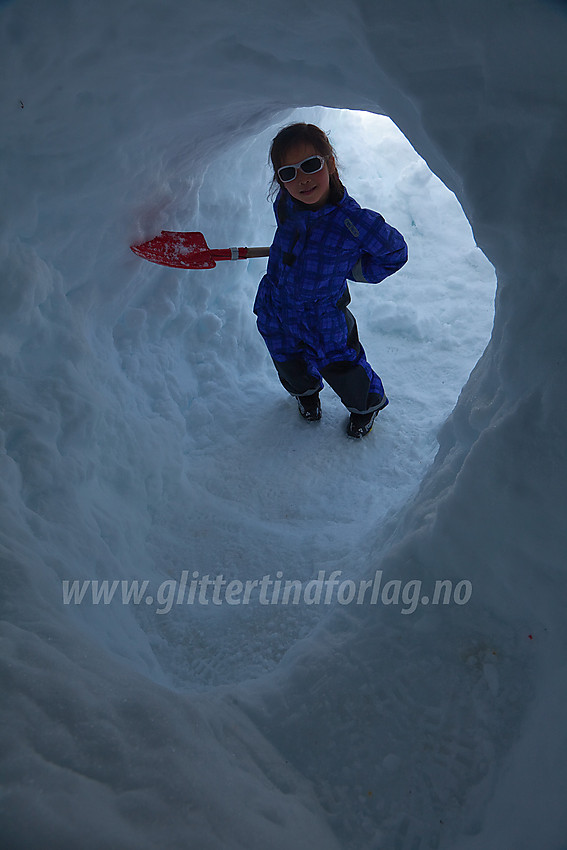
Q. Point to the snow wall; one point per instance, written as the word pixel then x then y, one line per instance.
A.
pixel 429 731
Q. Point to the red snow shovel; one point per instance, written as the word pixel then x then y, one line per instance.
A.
pixel 190 251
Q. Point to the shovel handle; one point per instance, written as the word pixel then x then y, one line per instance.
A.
pixel 238 253
pixel 255 253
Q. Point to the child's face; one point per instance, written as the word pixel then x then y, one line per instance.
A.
pixel 312 189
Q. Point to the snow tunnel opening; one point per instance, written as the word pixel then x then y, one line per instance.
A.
pixel 262 493
pixel 442 299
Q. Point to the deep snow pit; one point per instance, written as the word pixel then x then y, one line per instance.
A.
pixel 262 493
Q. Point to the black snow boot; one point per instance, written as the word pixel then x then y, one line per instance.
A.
pixel 309 406
pixel 360 424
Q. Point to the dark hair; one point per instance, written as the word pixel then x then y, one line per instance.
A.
pixel 309 134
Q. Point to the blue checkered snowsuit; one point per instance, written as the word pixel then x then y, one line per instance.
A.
pixel 301 303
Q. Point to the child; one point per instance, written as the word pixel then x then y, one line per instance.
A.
pixel 323 237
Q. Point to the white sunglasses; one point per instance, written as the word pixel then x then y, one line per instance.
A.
pixel 311 165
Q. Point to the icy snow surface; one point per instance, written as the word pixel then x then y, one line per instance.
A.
pixel 144 434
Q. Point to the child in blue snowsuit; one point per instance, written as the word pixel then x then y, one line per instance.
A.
pixel 323 237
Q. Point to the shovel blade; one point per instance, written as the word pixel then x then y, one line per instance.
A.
pixel 178 250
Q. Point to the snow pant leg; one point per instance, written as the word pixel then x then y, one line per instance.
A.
pixel 296 377
pixel 356 390
pixel 354 381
